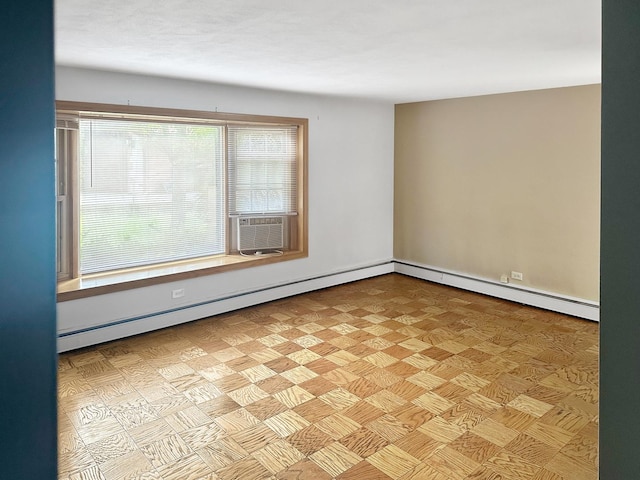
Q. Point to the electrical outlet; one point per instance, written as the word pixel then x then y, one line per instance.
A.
pixel 504 278
pixel 516 275
pixel 177 293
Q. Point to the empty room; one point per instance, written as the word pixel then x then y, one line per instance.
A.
pixel 345 240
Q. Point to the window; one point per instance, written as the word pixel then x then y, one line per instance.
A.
pixel 139 189
pixel 262 170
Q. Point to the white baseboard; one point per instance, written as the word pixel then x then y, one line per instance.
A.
pixel 134 326
pixel 536 298
pixel 147 323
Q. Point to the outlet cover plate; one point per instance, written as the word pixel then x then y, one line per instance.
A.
pixel 178 293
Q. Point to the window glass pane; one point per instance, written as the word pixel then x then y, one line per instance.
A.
pixel 149 192
pixel 64 139
pixel 262 169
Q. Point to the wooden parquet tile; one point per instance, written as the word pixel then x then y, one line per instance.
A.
pixel 386 378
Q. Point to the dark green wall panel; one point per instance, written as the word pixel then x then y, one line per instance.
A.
pixel 620 247
pixel 27 243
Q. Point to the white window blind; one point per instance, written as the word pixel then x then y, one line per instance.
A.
pixel 262 169
pixel 149 192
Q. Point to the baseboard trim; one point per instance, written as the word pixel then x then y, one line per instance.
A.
pixel 536 298
pixel 142 324
pixel 133 326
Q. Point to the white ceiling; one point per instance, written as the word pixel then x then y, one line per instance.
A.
pixel 399 51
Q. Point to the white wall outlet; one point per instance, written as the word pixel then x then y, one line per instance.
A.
pixel 504 278
pixel 177 293
pixel 516 275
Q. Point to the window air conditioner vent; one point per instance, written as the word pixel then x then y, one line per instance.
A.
pixel 260 233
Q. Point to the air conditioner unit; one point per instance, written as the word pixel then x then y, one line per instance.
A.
pixel 260 233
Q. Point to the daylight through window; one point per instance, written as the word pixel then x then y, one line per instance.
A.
pixel 142 187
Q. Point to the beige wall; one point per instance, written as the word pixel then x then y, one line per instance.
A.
pixel 487 185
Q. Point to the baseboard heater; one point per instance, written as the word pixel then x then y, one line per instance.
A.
pixel 260 233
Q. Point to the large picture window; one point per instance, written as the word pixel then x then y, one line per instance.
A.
pixel 141 188
pixel 149 193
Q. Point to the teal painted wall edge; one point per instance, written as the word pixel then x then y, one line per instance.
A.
pixel 620 242
pixel 27 243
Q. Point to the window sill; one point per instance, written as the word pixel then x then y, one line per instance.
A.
pixel 121 280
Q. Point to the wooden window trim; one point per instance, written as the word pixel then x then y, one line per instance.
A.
pixel 122 280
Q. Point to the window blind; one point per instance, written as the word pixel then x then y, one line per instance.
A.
pixel 262 169
pixel 149 192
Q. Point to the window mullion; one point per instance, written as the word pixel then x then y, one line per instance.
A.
pixel 74 203
pixel 225 185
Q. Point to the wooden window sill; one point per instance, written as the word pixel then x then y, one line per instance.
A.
pixel 121 280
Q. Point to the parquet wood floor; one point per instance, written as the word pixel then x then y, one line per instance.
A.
pixel 386 378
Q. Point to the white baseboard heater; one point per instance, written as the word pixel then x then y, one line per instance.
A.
pixel 260 233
